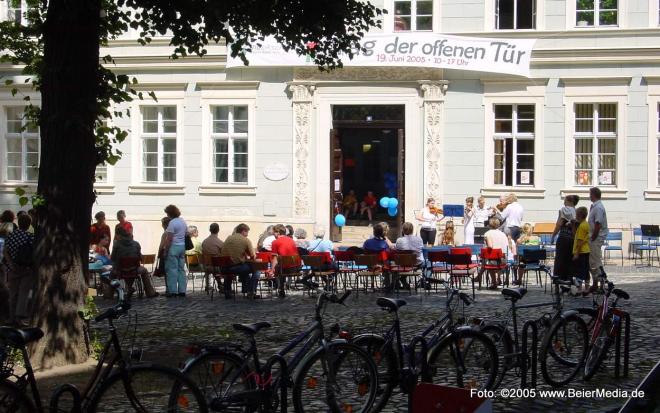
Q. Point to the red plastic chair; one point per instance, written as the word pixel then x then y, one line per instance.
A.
pixel 492 259
pixel 461 266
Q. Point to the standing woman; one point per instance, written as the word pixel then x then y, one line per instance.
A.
pixel 565 232
pixel 175 244
pixel 468 221
pixel 482 213
pixel 429 217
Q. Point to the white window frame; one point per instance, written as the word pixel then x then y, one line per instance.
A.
pixel 515 135
pixel 513 93
pixel 515 14
pixel 490 21
pixel 4 131
pixel 160 136
pixel 571 16
pixel 230 136
pixel 166 97
pixel 653 100
pixel 654 13
pixel 8 11
pixel 220 97
pixel 596 91
pixel 595 136
pixel 389 18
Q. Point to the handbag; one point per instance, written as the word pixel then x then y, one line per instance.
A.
pixel 189 243
pixel 159 269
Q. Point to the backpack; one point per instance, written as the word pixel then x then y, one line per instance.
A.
pixel 189 243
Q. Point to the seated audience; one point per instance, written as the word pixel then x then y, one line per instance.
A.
pixel 369 204
pixel 282 246
pixel 350 204
pixel 410 242
pixel 448 234
pixel 238 248
pixel 197 244
pixel 99 229
pixel 496 238
pixel 267 233
pixel 527 237
pixel 212 247
pixel 300 236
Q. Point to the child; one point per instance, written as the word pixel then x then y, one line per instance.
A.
pixel 448 234
pixel 581 249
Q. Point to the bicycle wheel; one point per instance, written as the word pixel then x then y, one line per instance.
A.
pixel 148 388
pixel 13 400
pixel 464 358
pixel 385 359
pixel 218 375
pixel 340 380
pixel 563 350
pixel 598 350
pixel 504 347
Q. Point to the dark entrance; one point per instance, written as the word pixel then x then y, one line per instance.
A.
pixel 367 154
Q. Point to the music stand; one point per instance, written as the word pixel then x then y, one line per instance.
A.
pixel 650 230
pixel 450 210
pixel 479 233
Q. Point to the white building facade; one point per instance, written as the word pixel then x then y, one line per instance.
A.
pixel 255 145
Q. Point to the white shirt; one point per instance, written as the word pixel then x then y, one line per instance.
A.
pixel 567 213
pixel 597 214
pixel 268 242
pixel 498 239
pixel 177 227
pixel 429 220
pixel 413 243
pixel 481 215
pixel 513 214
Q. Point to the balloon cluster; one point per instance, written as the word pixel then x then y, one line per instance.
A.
pixel 390 183
pixel 391 204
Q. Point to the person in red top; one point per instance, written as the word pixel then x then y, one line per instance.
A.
pixel 99 229
pixel 283 246
pixel 368 204
pixel 121 217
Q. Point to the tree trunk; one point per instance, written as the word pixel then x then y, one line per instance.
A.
pixel 69 108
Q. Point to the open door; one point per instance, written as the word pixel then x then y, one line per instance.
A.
pixel 336 183
pixel 401 180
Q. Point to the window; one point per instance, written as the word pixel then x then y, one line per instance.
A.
pixel 515 14
pixel 514 145
pixel 17 11
pixel 595 144
pixel 22 146
pixel 413 15
pixel 229 135
pixel 101 174
pixel 596 13
pixel 159 126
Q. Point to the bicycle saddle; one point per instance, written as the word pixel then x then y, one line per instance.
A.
pixel 251 329
pixel 621 294
pixel 514 293
pixel 390 304
pixel 20 337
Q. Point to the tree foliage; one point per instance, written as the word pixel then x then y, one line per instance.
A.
pixel 80 94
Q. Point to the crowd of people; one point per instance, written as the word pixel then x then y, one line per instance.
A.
pixel 579 233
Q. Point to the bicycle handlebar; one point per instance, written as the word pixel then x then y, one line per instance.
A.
pixel 118 309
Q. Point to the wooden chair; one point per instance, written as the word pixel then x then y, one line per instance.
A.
pixel 149 259
pixel 263 268
pixel 404 269
pixel 194 267
pixel 212 274
pixel 346 267
pixel 288 267
pixel 370 266
pixel 128 270
pixel 321 266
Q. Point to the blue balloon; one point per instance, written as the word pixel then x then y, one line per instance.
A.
pixel 392 211
pixel 393 203
pixel 340 220
pixel 384 202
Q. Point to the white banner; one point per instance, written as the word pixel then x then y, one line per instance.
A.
pixel 414 50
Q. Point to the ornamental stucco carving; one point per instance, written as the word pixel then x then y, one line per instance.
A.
pixel 302 113
pixel 433 93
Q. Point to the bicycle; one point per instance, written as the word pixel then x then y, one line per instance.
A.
pixel 564 344
pixel 330 375
pixel 604 328
pixel 458 355
pixel 117 385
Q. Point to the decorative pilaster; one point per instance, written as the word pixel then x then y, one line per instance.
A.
pixel 302 129
pixel 433 95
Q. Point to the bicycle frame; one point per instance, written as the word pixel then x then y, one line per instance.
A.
pixel 605 311
pixel 101 373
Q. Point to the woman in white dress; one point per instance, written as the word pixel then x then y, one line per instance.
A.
pixel 468 221
pixel 482 213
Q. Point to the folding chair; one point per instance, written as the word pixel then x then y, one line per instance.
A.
pixel 437 265
pixel 320 267
pixel 461 266
pixel 288 266
pixel 531 258
pixel 371 266
pixel 223 264
pixel 492 259
pixel 404 269
pixel 194 267
pixel 128 270
pixel 611 244
pixel 346 267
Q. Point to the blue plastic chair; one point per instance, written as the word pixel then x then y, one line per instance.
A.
pixel 636 241
pixel 611 245
pixel 650 245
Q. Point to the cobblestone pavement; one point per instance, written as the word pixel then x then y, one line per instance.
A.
pixel 166 326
